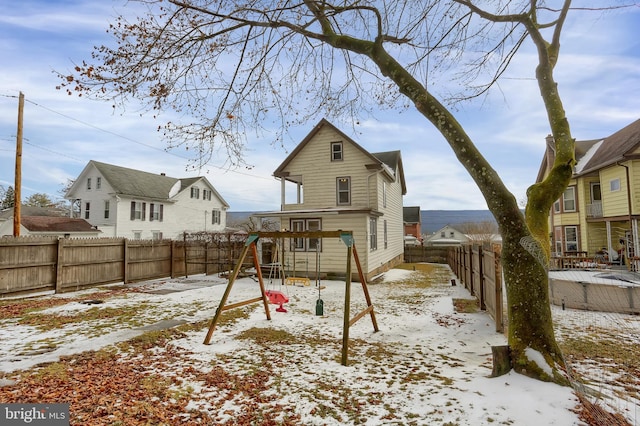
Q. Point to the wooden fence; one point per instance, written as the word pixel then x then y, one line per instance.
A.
pixel 426 254
pixel 36 264
pixel 478 269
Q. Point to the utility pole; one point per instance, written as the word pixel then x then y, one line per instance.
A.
pixel 17 199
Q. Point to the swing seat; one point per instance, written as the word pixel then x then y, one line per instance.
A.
pixel 277 297
pixel 298 280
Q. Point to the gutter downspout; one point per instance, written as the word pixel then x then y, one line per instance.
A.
pixel 626 168
pixel 368 186
pixel 115 225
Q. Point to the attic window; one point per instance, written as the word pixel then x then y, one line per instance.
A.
pixel 195 192
pixel 336 151
pixel 88 183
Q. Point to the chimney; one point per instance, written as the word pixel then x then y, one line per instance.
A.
pixel 550 151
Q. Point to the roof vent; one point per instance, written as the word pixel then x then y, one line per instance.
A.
pixel 163 174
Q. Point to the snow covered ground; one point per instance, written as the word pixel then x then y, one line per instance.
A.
pixel 427 365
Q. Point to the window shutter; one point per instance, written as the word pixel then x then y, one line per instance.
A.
pixel 144 210
pixel 133 210
pixel 161 212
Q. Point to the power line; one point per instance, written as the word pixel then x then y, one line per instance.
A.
pixel 54 152
pixel 128 139
pixel 104 130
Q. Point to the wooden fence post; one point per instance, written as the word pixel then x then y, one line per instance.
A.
pixel 481 277
pixel 186 263
pixel 125 260
pixel 59 266
pixel 499 296
pixel 206 258
pixel 173 258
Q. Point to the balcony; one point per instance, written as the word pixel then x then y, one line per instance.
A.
pixel 594 209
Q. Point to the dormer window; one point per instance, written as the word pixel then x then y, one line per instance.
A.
pixel 336 151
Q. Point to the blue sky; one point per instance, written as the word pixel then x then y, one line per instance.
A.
pixel 598 76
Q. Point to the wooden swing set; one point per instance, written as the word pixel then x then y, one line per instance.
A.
pixel 345 236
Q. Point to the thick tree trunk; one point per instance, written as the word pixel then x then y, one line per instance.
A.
pixel 533 347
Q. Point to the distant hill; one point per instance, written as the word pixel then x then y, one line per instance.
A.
pixel 432 220
pixel 238 217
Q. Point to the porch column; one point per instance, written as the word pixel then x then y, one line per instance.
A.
pixel 634 233
pixel 282 192
pixel 609 245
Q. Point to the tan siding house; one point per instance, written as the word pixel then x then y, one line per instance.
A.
pixel 328 183
pixel 601 207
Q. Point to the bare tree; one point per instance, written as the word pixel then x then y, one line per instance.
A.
pixel 480 232
pixel 39 199
pixel 74 206
pixel 253 224
pixel 235 66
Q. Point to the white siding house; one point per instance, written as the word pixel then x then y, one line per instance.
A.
pixel 330 183
pixel 130 203
pixel 446 236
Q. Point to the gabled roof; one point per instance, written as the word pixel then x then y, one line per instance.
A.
pixel 56 224
pixel 34 211
pixel 411 214
pixel 390 159
pixel 592 155
pixel 138 184
pixel 393 159
pixel 614 148
pixel 435 237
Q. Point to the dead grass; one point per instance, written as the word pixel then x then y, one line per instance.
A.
pixel 466 306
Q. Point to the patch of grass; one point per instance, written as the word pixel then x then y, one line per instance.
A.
pixel 148 340
pixel 193 326
pixel 232 316
pixel 424 267
pixel 54 370
pixel 15 308
pixel 428 275
pixel 466 306
pixel 598 347
pixel 39 346
pixel 156 386
pixel 378 352
pixel 130 315
pixel 270 336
